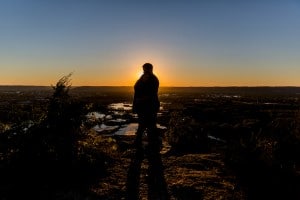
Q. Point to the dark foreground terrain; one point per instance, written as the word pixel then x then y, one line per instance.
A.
pixel 218 143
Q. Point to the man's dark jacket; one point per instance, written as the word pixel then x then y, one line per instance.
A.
pixel 145 94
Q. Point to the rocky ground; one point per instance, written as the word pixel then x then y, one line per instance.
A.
pixel 187 176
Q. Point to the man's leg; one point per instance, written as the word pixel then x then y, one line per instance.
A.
pixel 153 134
pixel 141 129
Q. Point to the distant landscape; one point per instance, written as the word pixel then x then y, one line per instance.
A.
pixel 218 142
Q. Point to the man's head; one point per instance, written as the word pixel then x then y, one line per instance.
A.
pixel 148 68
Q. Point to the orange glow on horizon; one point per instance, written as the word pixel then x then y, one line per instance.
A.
pixel 127 72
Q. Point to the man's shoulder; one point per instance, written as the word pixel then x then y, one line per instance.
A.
pixel 149 78
pixel 154 77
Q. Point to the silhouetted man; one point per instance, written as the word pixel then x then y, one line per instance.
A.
pixel 146 105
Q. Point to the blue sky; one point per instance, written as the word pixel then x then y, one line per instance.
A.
pixel 190 43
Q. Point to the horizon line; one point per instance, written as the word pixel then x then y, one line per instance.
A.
pixel 18 85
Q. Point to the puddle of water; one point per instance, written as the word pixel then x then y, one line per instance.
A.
pixel 119 120
pixel 104 127
pixel 95 115
pixel 129 129
pixel 271 103
pixel 215 138
pixel 119 113
pixel 161 127
pixel 108 117
pixel 116 118
pixel 120 106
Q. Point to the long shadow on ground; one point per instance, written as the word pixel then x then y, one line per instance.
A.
pixel 157 187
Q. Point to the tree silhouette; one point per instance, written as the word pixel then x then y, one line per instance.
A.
pixel 64 118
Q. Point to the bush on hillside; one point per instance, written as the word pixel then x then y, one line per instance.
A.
pixel 186 133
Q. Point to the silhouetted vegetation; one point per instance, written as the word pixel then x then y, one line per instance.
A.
pixel 52 153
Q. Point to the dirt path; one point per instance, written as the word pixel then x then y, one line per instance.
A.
pixel 188 176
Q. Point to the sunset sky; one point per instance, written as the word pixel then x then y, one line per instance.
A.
pixel 189 42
